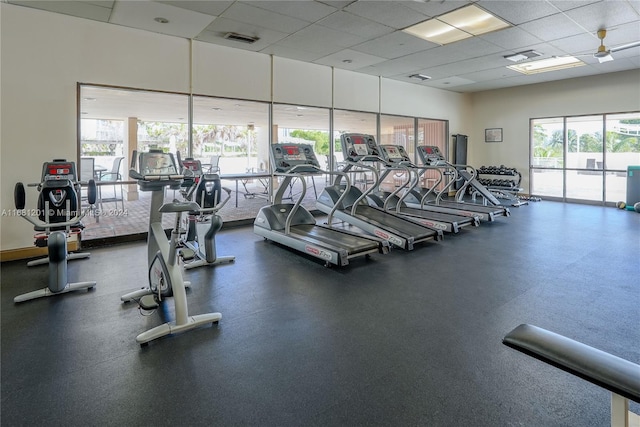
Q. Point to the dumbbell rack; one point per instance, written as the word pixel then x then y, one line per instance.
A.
pixel 504 182
pixel 509 178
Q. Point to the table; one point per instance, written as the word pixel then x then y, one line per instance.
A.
pixel 244 178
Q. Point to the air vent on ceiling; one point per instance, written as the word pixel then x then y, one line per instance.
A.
pixel 241 38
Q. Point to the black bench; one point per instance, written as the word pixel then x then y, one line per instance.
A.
pixel 613 373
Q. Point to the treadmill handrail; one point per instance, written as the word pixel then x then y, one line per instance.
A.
pixel 368 191
pixel 289 175
pixel 463 188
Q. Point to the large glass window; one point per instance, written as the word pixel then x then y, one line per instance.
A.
pixel 583 158
pixel 304 125
pixel 622 145
pixel 547 141
pixel 345 121
pixel 397 130
pixel 432 132
pixel 584 176
pixel 114 123
pixel 231 138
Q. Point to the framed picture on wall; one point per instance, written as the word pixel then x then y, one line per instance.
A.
pixel 493 135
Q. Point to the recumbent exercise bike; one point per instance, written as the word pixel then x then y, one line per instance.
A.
pixel 58 216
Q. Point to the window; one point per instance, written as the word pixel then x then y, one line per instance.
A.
pixel 583 158
pixel 304 125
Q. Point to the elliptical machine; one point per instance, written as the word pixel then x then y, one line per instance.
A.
pixel 58 217
pixel 156 170
pixel 202 224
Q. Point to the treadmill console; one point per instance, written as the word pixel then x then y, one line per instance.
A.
pixel 359 147
pixel 395 154
pixel 286 157
pixel 431 155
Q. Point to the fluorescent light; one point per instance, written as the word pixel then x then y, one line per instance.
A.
pixel 437 32
pixel 460 24
pixel 473 20
pixel 549 64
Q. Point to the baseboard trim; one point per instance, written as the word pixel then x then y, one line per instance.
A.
pixel 32 252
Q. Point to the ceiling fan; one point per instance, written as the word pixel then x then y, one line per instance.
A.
pixel 603 54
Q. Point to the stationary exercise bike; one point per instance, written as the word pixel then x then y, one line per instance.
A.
pixel 154 171
pixel 198 241
pixel 56 218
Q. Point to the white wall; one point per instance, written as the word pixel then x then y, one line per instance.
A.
pixel 511 109
pixel 231 73
pixel 430 103
pixel 44 56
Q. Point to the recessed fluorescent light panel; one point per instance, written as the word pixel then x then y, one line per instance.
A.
pixel 544 65
pixel 460 24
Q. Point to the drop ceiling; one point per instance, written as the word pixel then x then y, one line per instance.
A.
pixel 366 36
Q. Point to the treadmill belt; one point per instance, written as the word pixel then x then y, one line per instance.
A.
pixel 333 238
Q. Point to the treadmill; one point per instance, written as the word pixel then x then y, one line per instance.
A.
pixel 292 225
pixel 349 203
pixel 448 221
pixel 432 158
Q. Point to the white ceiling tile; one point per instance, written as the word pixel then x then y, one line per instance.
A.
pixel 492 74
pixel 366 31
pixel 140 14
pixel 243 12
pixel 448 82
pixel 525 12
pixel 96 12
pixel 309 11
pixel 565 5
pixel 582 43
pixel 291 53
pixel 338 4
pixel 391 13
pixel 603 15
pixel 470 65
pixel 473 47
pixel 552 27
pixel 357 60
pixel 394 45
pixel 622 34
pixel 214 8
pixel 349 23
pixel 436 8
pixel 510 38
pixel 317 39
pixel 390 68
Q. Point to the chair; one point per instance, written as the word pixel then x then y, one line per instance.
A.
pixel 114 177
pixel 214 165
pixel 87 169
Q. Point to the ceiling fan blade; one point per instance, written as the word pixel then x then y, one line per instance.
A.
pixel 625 46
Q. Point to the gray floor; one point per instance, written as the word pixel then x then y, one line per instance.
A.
pixel 408 338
